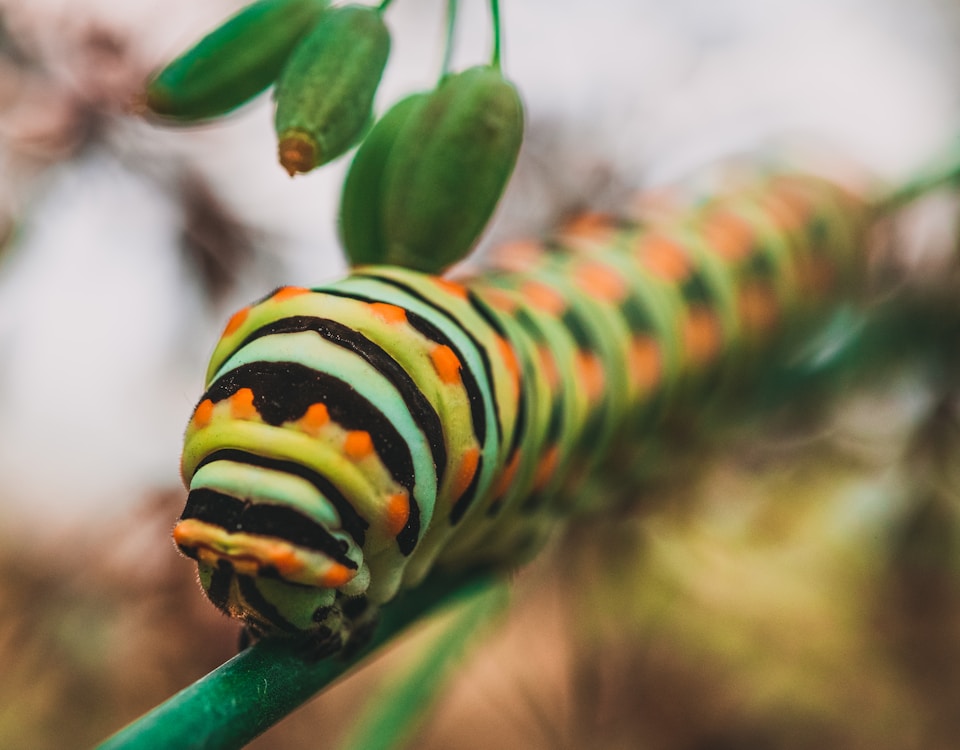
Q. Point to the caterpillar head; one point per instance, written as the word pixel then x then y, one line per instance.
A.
pixel 302 467
pixel 267 542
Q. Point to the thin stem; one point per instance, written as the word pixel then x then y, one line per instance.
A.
pixel 944 172
pixel 495 19
pixel 383 5
pixel 452 6
pixel 244 697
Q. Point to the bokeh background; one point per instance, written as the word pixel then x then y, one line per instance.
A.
pixel 798 589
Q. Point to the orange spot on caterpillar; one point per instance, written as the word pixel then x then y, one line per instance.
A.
pixel 499 299
pixel 465 471
pixel 507 476
pixel 817 276
pixel 398 512
pixel 759 309
pixel 519 255
pixel 446 364
pixel 451 287
pixel 236 320
pixel 600 282
pixel 591 374
pixel 286 292
pixel 546 467
pixel 336 576
pixel 388 313
pixel 549 366
pixel 358 444
pixel 241 404
pixel 286 562
pixel 701 336
pixel 315 418
pixel 663 257
pixel 203 413
pixel 728 235
pixel 182 535
pixel 786 216
pixel 510 360
pixel 646 362
pixel 543 297
pixel 589 225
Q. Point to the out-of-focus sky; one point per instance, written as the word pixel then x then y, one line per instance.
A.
pixel 104 333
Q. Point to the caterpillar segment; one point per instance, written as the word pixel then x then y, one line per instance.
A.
pixel 355 436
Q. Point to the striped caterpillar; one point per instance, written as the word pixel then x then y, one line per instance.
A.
pixel 355 436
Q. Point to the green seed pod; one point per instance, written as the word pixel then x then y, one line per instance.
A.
pixel 325 92
pixel 234 62
pixel 360 204
pixel 448 168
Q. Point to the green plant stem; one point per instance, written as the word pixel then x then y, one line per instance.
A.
pixel 495 20
pixel 394 713
pixel 944 172
pixel 250 693
pixel 383 5
pixel 452 6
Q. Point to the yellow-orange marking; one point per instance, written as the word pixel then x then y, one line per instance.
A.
pixel 546 467
pixel 446 364
pixel 518 255
pixel 591 375
pixel 241 404
pixel 286 292
pixel 549 366
pixel 589 225
pixel 510 360
pixel 507 476
pixel 465 471
pixel 728 235
pixel 398 512
pixel 388 313
pixel 203 413
pixel 646 362
pixel 600 282
pixel 315 418
pixel 236 320
pixel 663 257
pixel 451 287
pixel 499 299
pixel 817 276
pixel 701 336
pixel 286 562
pixel 543 297
pixel 358 444
pixel 759 310
pixel 786 216
pixel 336 576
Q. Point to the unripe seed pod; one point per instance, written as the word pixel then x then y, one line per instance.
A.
pixel 362 198
pixel 234 62
pixel 325 92
pixel 448 167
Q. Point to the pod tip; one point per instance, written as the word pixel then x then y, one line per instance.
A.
pixel 298 153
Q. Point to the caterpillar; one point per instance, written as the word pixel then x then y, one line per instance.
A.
pixel 355 436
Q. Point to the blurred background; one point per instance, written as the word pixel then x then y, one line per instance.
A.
pixel 797 590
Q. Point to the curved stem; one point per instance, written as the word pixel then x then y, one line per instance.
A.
pixel 383 5
pixel 944 172
pixel 452 6
pixel 254 690
pixel 495 19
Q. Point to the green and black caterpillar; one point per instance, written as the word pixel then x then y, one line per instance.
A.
pixel 355 436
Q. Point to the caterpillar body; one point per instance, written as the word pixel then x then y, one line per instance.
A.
pixel 356 435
